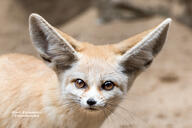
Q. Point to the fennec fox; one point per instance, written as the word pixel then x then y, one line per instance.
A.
pixel 86 82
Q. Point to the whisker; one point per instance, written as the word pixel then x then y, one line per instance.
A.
pixel 108 115
pixel 131 115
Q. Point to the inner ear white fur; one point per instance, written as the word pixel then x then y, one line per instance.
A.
pixel 142 54
pixel 51 46
pixel 37 23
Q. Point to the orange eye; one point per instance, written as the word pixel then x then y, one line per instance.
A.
pixel 108 85
pixel 80 83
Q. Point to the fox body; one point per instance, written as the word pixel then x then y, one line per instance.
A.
pixel 83 83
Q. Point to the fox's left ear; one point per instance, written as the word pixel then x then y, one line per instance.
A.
pixel 138 52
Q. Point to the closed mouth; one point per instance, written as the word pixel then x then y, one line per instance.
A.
pixel 92 109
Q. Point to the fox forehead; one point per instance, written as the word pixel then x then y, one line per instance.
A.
pixel 106 51
pixel 103 52
pixel 89 49
pixel 95 70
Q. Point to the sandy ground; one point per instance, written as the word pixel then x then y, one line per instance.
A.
pixel 160 97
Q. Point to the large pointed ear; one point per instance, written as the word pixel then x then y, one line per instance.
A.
pixel 138 52
pixel 58 50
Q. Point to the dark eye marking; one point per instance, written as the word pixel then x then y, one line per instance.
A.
pixel 80 83
pixel 45 59
pixel 148 63
pixel 108 85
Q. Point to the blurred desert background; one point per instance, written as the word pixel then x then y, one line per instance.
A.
pixel 162 96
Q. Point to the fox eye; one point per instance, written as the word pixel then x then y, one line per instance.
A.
pixel 80 83
pixel 108 85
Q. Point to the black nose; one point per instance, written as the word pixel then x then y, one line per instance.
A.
pixel 91 102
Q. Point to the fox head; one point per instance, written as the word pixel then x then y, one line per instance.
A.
pixel 95 77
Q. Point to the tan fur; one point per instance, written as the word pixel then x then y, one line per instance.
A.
pixel 105 51
pixel 26 80
pixel 22 87
pixel 88 48
pixel 27 84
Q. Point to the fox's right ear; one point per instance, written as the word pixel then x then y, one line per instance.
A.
pixel 57 49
